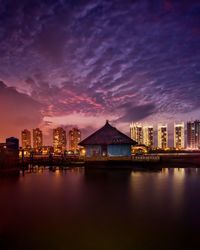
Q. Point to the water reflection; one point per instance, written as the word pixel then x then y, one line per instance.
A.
pixel 78 209
pixel 165 189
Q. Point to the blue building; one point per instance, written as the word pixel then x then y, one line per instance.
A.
pixel 107 142
pixel 12 143
pixel 9 157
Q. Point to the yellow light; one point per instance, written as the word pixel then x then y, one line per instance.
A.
pixel 57 172
pixel 83 152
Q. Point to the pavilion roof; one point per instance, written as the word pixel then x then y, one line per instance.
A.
pixel 107 135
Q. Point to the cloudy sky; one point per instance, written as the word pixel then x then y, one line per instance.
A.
pixel 80 62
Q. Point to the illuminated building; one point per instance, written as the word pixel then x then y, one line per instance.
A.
pixel 59 140
pixel 26 139
pixel 74 139
pixel 193 134
pixel 136 132
pixel 37 139
pixel 148 136
pixel 179 137
pixel 162 136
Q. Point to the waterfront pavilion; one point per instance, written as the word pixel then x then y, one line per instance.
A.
pixel 107 142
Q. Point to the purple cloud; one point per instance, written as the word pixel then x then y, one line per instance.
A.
pixel 95 57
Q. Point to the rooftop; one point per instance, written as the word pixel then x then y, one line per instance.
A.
pixel 107 135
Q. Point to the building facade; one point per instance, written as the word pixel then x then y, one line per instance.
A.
pixel 136 132
pixel 142 134
pixel 193 134
pixel 162 136
pixel 148 136
pixel 37 139
pixel 74 139
pixel 179 135
pixel 26 139
pixel 59 140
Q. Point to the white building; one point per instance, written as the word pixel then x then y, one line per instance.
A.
pixel 179 137
pixel 136 132
pixel 162 136
pixel 148 138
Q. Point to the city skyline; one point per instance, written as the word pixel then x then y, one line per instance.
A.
pixel 185 136
pixel 69 62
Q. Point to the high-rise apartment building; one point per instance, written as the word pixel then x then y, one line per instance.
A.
pixel 179 135
pixel 26 139
pixel 162 136
pixel 59 140
pixel 37 139
pixel 74 139
pixel 136 132
pixel 193 134
pixel 148 138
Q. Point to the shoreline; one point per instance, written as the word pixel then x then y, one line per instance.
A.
pixel 169 161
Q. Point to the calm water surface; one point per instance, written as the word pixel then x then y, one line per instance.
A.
pixel 118 210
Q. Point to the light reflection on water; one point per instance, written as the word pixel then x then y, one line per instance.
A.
pixel 78 209
pixel 165 187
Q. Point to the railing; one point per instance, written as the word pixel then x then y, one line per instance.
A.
pixel 146 158
pixel 50 161
pixel 108 158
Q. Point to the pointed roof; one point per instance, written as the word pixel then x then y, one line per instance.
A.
pixel 107 135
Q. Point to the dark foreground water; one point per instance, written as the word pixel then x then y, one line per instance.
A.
pixel 115 210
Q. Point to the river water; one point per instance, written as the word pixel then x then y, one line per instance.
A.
pixel 119 210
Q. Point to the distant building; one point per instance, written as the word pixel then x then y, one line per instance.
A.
pixel 9 156
pixel 179 135
pixel 162 136
pixel 142 134
pixel 136 132
pixel 148 136
pixel 74 139
pixel 59 140
pixel 107 142
pixel 12 143
pixel 26 139
pixel 37 139
pixel 193 134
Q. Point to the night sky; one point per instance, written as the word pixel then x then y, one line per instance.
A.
pixel 80 62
